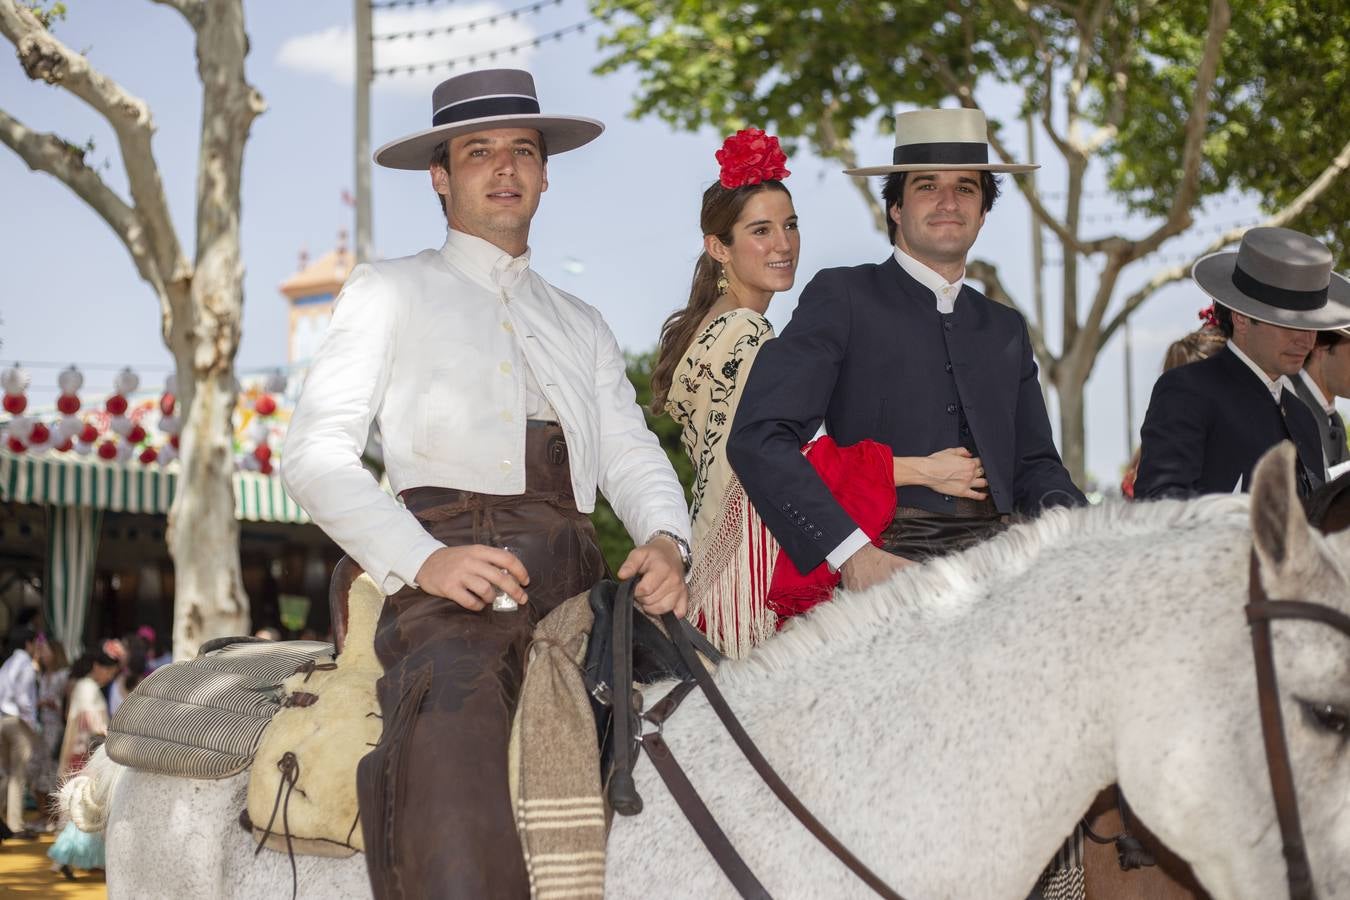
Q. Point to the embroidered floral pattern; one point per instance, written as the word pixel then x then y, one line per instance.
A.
pixel 706 389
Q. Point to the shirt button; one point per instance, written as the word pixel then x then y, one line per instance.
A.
pixel 506 368
pixel 506 415
pixel 951 409
pixel 947 367
pixel 507 327
pixel 505 465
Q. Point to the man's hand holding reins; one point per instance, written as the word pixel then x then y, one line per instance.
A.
pixel 471 575
pixel 661 588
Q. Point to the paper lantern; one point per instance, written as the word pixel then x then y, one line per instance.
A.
pixel 39 434
pixel 262 453
pixel 68 404
pixel 70 380
pixel 126 382
pixel 88 434
pixel 135 435
pixel 15 445
pixel 166 403
pixel 107 450
pixel 15 403
pixel 148 455
pixel 265 405
pixel 116 405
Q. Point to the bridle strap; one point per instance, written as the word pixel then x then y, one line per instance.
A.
pixel 1261 610
pixel 762 767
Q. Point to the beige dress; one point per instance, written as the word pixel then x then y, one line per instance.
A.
pixel 733 551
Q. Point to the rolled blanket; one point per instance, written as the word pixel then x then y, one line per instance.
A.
pixel 555 765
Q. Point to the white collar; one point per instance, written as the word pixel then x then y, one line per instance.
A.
pixel 927 277
pixel 1281 383
pixel 1317 392
pixel 484 260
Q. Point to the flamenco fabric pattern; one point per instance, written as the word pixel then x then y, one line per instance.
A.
pixel 733 550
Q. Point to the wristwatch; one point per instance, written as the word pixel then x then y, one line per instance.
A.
pixel 686 557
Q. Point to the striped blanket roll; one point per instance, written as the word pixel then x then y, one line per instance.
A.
pixel 202 718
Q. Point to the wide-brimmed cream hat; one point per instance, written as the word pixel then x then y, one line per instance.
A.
pixel 1278 276
pixel 481 100
pixel 934 140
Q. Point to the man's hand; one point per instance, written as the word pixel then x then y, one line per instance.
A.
pixel 661 588
pixel 871 566
pixel 472 575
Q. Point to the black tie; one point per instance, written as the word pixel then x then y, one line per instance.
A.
pixel 1337 437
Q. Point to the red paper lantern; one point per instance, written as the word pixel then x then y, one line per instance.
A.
pixel 116 405
pixel 265 467
pixel 173 441
pixel 262 453
pixel 167 402
pixel 265 405
pixel 39 434
pixel 16 445
pixel 148 455
pixel 136 434
pixel 88 434
pixel 15 403
pixel 68 404
pixel 65 445
pixel 107 450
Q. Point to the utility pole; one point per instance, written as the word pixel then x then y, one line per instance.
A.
pixel 365 67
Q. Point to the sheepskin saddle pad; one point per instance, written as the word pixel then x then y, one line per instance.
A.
pixel 202 718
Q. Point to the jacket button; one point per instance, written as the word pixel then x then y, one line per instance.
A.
pixel 947 367
pixel 951 409
pixel 947 497
pixel 947 325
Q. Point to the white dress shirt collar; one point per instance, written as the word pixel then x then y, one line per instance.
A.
pixel 484 261
pixel 943 290
pixel 1279 384
pixel 1321 398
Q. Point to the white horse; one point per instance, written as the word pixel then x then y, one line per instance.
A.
pixel 951 725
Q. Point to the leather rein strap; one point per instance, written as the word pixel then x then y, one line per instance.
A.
pixel 1261 610
pixel 692 805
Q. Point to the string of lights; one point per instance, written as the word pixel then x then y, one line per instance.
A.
pixel 475 58
pixel 406 4
pixel 470 25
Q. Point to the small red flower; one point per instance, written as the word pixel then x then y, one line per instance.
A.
pixel 749 157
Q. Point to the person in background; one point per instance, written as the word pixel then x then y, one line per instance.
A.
pixel 18 724
pixel 1326 376
pixel 86 724
pixel 53 680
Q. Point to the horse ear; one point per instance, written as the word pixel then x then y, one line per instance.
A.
pixel 1280 532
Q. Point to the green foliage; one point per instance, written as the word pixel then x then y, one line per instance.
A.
pixel 47 13
pixel 614 538
pixel 819 72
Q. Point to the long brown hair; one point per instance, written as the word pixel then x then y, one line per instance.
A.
pixel 721 209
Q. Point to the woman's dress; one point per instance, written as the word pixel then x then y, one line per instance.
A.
pixel 733 551
pixel 87 719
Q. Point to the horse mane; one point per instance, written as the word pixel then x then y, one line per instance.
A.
pixel 948 587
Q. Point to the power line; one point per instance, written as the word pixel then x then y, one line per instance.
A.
pixel 469 25
pixel 475 58
pixel 395 4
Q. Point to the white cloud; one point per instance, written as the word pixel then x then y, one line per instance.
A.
pixel 331 53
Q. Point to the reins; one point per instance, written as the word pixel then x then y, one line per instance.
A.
pixel 1261 610
pixel 686 795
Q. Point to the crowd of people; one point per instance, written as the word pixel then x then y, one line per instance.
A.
pixel 53 715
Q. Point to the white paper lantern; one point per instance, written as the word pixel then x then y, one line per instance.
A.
pixel 167 454
pixel 258 430
pixel 82 448
pixel 171 384
pixel 124 451
pixel 20 427
pixel 70 380
pixel 120 425
pixel 68 427
pixel 14 380
pixel 170 424
pixel 126 382
pixel 276 383
pixel 249 463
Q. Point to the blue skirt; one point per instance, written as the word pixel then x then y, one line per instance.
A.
pixel 77 849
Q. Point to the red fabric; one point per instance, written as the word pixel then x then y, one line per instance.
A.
pixel 862 479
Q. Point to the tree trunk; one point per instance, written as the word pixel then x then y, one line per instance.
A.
pixel 1070 386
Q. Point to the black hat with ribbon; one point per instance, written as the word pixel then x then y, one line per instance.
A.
pixel 483 100
pixel 1278 276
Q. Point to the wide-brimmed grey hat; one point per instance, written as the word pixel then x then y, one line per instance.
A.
pixel 478 101
pixel 1278 276
pixel 934 140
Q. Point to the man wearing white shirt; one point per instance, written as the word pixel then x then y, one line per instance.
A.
pixel 1324 377
pixel 908 354
pixel 18 723
pixel 503 404
pixel 1209 422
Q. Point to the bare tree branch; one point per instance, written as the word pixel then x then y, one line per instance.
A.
pixel 44 152
pixel 987 274
pixel 1179 215
pixel 1089 26
pixel 192 10
pixel 46 58
pixel 1167 276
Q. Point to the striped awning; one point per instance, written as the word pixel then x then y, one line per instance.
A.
pixel 61 480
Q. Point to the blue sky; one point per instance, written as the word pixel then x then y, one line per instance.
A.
pixel 618 226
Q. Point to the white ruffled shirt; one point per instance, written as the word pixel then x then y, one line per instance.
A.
pixel 438 348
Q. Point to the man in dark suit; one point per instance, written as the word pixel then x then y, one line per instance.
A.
pixel 1326 376
pixel 905 353
pixel 1209 422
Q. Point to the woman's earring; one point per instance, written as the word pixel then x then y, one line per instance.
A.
pixel 722 283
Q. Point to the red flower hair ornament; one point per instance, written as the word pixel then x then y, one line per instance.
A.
pixel 1209 318
pixel 750 156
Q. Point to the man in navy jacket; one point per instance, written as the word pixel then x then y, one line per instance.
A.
pixel 1209 422
pixel 904 353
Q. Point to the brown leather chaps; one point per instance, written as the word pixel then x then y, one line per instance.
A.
pixel 921 535
pixel 435 808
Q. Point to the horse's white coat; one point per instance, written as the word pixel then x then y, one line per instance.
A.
pixel 949 726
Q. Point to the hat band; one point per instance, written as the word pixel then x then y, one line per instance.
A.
pixel 484 108
pixel 1284 298
pixel 942 153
